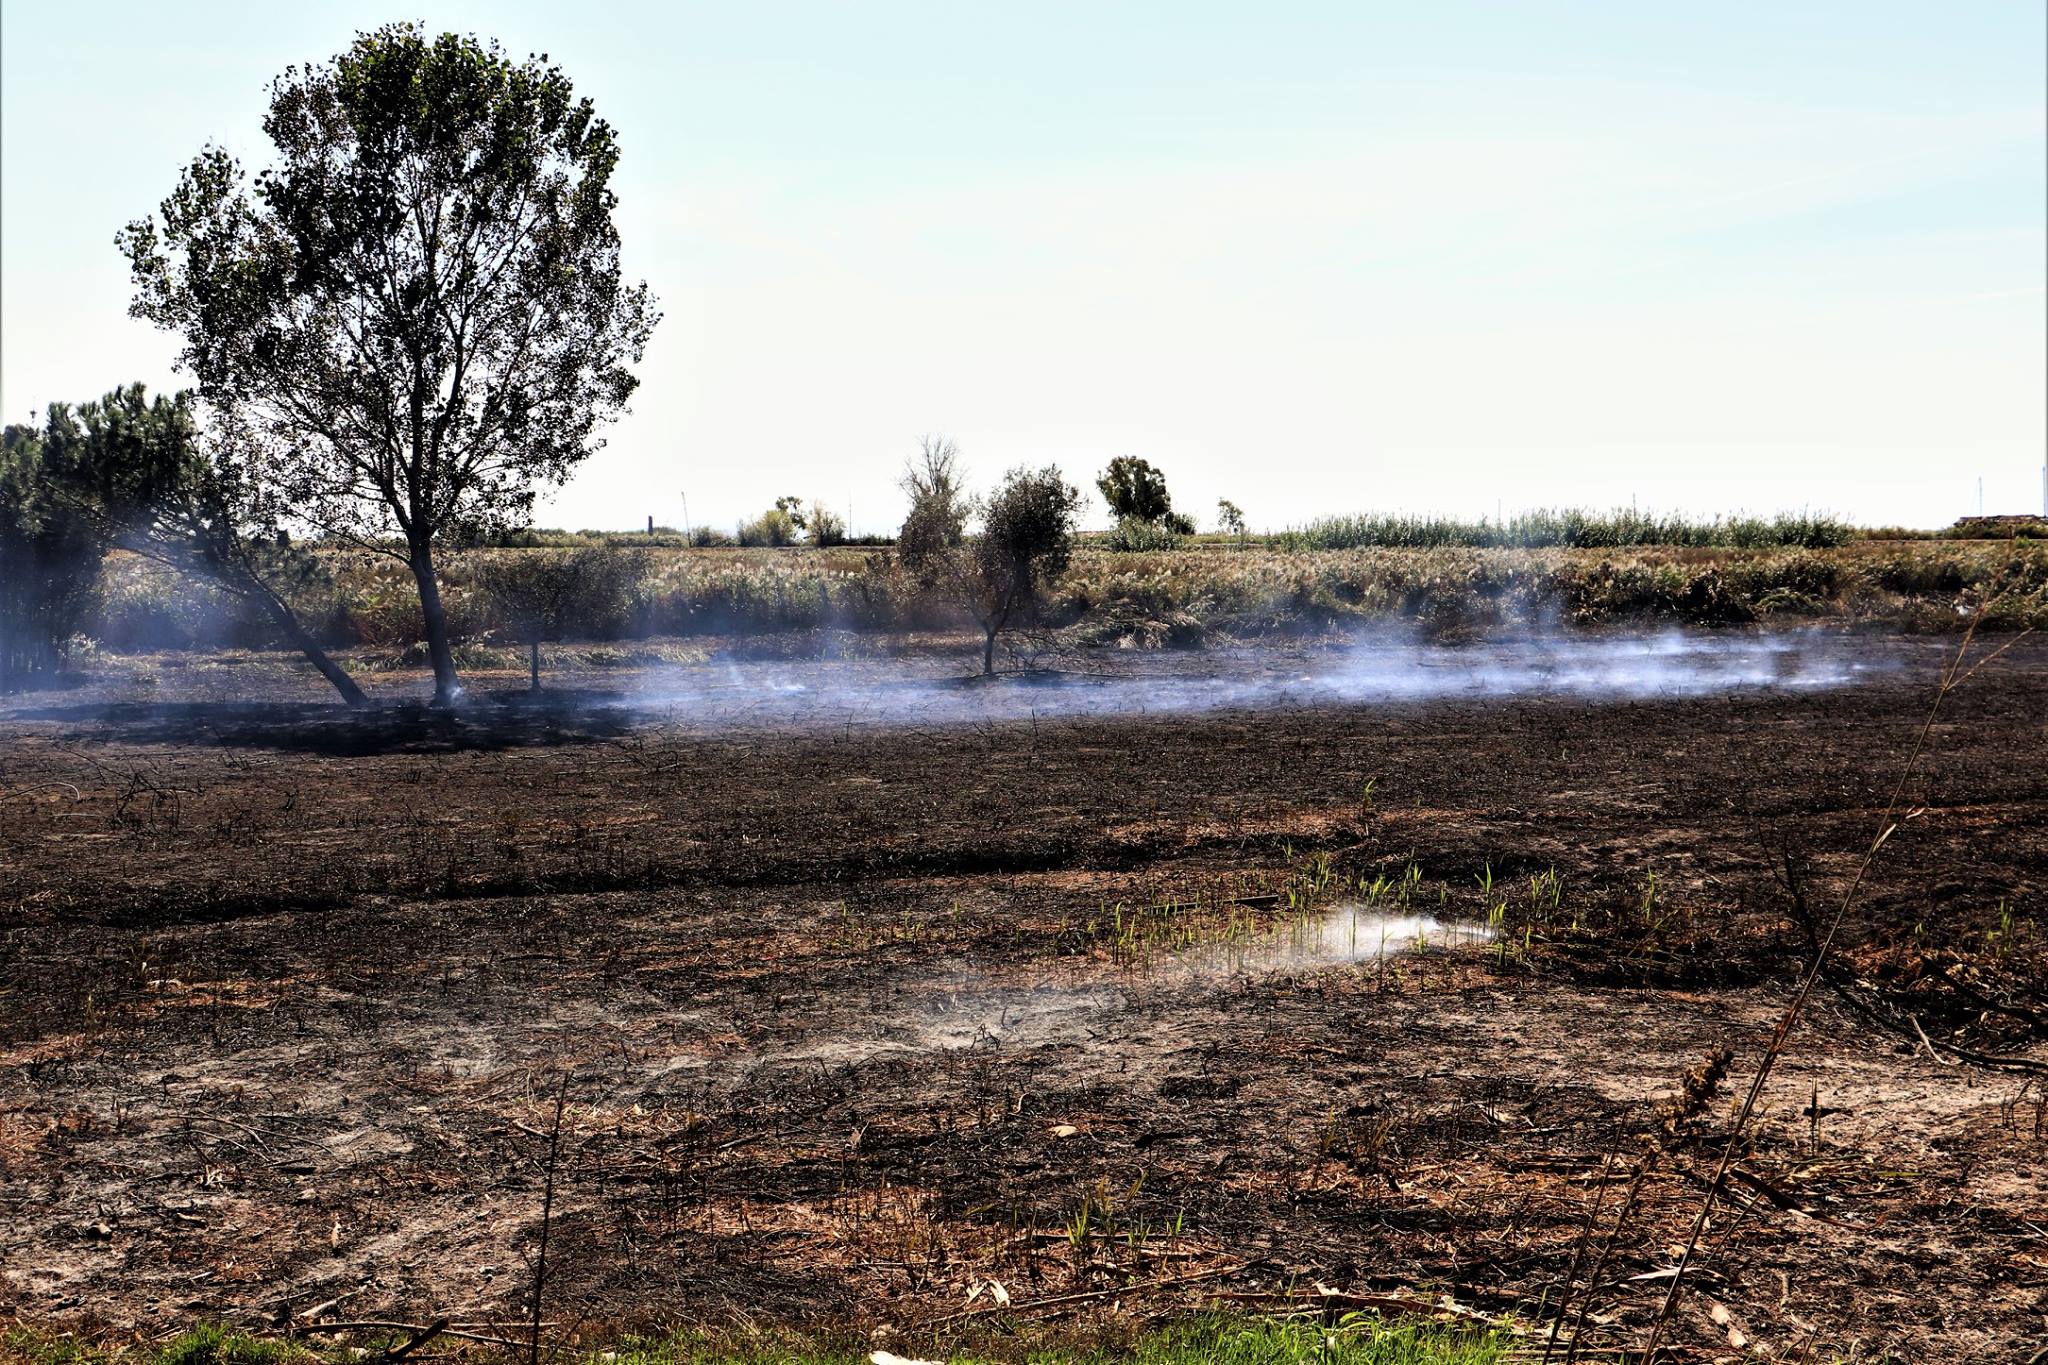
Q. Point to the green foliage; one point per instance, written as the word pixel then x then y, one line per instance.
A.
pixel 418 308
pixel 1025 543
pixel 1358 1339
pixel 69 490
pixel 424 287
pixel 549 594
pixel 141 471
pixel 1132 535
pixel 935 527
pixel 826 527
pixel 998 575
pixel 793 508
pixel 50 550
pixel 1230 518
pixel 1145 519
pixel 1134 489
pixel 211 1345
pixel 774 527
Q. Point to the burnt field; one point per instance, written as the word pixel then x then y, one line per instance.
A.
pixel 1382 977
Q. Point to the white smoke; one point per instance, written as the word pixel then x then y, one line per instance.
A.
pixel 893 693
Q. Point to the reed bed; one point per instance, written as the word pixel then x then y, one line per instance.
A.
pixel 1168 598
pixel 1571 528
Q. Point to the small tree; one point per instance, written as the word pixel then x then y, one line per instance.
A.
pixel 1133 488
pixel 826 526
pixel 939 506
pixel 998 574
pixel 548 594
pixel 419 303
pixel 1230 518
pixel 1137 497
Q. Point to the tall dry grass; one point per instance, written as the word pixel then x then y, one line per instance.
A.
pixel 1186 594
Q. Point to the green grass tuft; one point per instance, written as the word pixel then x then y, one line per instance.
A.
pixel 1360 1339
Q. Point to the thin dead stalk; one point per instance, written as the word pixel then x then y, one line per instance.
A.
pixel 1628 1208
pixel 547 1213
pixel 1952 677
pixel 1578 1256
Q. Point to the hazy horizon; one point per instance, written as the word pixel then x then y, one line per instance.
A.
pixel 1319 260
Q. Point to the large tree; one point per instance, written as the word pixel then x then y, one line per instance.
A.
pixel 419 301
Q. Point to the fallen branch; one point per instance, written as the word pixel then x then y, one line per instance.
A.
pixel 418 1340
pixel 415 1328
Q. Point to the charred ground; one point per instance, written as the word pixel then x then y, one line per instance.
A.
pixel 849 1025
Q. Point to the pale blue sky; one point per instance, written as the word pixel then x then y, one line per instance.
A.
pixel 1312 257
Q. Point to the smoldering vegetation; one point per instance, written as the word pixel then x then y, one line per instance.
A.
pixel 725 687
pixel 1387 667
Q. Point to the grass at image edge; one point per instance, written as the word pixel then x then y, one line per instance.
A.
pixel 1361 1340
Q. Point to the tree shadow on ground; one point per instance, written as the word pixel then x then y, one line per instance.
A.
pixel 506 720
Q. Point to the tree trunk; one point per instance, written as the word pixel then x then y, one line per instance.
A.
pixel 447 687
pixel 287 622
pixel 988 652
pixel 303 641
pixel 533 662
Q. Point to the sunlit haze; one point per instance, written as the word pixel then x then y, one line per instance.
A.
pixel 1312 257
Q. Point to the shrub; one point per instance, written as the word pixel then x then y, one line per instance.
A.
pixel 826 527
pixel 1135 535
pixel 774 527
pixel 547 594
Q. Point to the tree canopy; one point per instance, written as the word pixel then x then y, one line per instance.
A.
pixel 1134 488
pixel 51 546
pixel 140 472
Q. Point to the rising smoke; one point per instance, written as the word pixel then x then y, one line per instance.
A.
pixel 1379 671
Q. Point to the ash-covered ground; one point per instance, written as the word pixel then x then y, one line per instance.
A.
pixel 866 986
